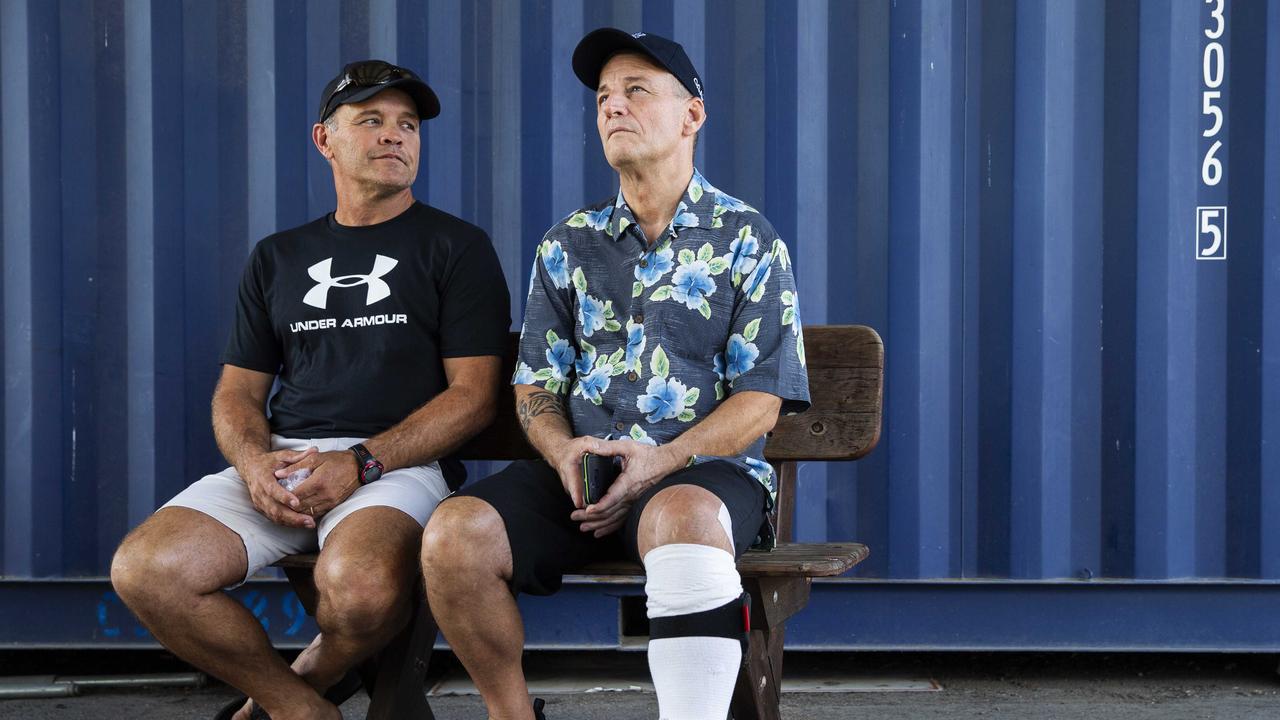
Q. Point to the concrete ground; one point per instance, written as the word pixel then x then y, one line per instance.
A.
pixel 880 686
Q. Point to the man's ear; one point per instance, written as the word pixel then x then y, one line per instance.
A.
pixel 695 116
pixel 320 136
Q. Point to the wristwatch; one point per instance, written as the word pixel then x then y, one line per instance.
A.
pixel 368 469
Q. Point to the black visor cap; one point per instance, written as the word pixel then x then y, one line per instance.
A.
pixel 599 45
pixel 337 94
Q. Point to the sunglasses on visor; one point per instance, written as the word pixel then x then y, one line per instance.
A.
pixel 365 75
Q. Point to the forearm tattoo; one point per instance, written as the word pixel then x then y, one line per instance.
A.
pixel 538 403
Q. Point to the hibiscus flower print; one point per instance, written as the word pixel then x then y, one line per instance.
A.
pixel 791 316
pixel 635 345
pixel 652 266
pixel 742 253
pixel 594 219
pixel 523 375
pixel 590 314
pixel 593 385
pixel 692 283
pixel 741 353
pixel 759 278
pixel 556 263
pixel 726 204
pixel 586 359
pixel 731 203
pixel 594 371
pixel 684 218
pixel 665 398
pixel 560 358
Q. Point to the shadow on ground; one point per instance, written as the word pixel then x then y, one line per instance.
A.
pixel 974 685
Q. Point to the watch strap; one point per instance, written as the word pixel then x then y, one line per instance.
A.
pixel 364 462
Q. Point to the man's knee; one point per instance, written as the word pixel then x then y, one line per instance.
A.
pixel 153 564
pixel 359 595
pixel 465 535
pixel 684 514
pixel 133 570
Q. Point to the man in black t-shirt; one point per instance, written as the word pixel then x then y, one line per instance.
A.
pixel 384 324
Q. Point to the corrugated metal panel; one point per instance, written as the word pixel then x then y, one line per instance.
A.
pixel 1006 192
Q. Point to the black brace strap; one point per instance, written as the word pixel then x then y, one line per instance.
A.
pixel 731 620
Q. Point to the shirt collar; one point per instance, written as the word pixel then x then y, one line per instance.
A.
pixel 695 209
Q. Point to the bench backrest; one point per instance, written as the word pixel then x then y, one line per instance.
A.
pixel 846 381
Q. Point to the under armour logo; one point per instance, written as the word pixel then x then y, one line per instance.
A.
pixel 322 273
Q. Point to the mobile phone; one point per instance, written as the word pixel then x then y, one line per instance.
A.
pixel 598 473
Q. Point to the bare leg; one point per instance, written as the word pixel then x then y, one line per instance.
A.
pixel 365 577
pixel 682 514
pixel 466 561
pixel 170 571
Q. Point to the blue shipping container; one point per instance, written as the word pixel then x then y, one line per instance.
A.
pixel 1062 216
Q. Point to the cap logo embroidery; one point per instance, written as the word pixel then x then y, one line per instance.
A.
pixel 637 35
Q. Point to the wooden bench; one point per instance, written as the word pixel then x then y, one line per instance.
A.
pixel 846 374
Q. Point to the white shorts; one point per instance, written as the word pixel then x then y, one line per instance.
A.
pixel 224 497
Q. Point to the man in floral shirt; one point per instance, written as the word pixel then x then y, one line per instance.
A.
pixel 661 328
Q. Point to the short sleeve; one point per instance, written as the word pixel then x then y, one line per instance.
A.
pixel 547 348
pixel 475 306
pixel 253 344
pixel 766 344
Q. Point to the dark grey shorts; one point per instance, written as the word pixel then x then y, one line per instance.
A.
pixel 546 544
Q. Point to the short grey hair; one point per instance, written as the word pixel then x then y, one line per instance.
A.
pixel 685 95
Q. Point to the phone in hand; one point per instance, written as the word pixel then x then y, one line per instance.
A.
pixel 598 473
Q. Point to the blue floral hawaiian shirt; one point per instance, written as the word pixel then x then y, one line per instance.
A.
pixel 648 340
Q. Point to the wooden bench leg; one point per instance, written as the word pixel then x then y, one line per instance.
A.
pixel 759 688
pixel 398 691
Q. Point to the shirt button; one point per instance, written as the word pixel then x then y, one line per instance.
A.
pixel 644 263
pixel 633 375
pixel 619 426
pixel 638 318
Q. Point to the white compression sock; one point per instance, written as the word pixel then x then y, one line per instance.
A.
pixel 693 674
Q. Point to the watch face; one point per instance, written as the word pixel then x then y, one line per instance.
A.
pixel 372 471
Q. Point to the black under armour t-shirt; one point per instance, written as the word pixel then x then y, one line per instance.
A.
pixel 356 320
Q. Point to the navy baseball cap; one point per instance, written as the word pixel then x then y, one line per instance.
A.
pixel 599 45
pixel 361 80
